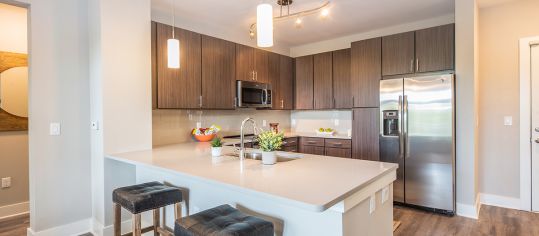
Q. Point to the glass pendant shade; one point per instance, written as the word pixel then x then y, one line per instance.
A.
pixel 264 25
pixel 173 53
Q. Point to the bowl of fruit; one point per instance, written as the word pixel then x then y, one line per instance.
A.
pixel 205 134
pixel 325 131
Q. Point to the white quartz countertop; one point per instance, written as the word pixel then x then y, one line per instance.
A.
pixel 311 182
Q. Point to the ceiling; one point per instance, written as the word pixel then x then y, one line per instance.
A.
pixel 346 17
pixel 491 3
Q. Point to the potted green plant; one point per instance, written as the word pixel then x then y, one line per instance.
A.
pixel 216 147
pixel 269 142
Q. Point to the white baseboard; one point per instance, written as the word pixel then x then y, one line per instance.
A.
pixel 500 201
pixel 468 210
pixel 75 228
pixel 14 210
pixel 100 230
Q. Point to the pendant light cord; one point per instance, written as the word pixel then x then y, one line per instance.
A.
pixel 173 19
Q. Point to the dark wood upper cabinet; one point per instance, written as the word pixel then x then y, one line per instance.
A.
pixel 435 48
pixel 304 83
pixel 245 62
pixel 219 74
pixel 341 79
pixel 274 73
pixel 365 134
pixel 286 83
pixel 323 81
pixel 398 54
pixel 262 66
pixel 366 63
pixel 178 88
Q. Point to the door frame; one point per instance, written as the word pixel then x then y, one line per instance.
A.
pixel 525 122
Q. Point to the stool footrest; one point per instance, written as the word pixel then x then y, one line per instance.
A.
pixel 143 230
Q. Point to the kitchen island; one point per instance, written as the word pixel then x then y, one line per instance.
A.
pixel 304 195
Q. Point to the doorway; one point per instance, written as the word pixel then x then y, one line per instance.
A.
pixel 14 148
pixel 534 62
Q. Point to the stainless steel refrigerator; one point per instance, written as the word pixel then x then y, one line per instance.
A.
pixel 417 132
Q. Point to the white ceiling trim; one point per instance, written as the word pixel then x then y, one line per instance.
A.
pixel 345 42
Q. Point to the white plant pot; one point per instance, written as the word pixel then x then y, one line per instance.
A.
pixel 216 151
pixel 269 158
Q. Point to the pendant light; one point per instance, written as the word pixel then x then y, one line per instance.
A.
pixel 173 46
pixel 264 25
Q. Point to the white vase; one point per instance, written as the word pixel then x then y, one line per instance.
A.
pixel 216 151
pixel 269 158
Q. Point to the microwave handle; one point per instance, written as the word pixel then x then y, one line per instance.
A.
pixel 264 96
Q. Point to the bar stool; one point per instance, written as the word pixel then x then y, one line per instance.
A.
pixel 223 220
pixel 145 197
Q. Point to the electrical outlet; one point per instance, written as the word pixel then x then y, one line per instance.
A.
pixel 336 122
pixel 6 182
pixel 293 122
pixel 507 120
pixel 264 123
pixel 385 194
pixel 199 125
pixel 55 129
pixel 372 203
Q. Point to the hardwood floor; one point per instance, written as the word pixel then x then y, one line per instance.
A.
pixel 15 226
pixel 492 221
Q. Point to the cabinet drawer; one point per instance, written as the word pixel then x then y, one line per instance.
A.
pixel 290 149
pixel 312 150
pixel 338 143
pixel 308 141
pixel 339 152
pixel 288 142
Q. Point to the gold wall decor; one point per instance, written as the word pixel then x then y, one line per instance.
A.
pixel 10 122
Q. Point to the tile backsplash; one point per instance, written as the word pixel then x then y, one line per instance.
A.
pixel 174 126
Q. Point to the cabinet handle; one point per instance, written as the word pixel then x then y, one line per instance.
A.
pixel 412 65
pixel 311 142
pixel 417 65
pixel 235 102
pixel 282 103
pixel 200 101
pixel 256 75
pixel 353 102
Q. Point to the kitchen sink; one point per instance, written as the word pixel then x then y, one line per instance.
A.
pixel 281 156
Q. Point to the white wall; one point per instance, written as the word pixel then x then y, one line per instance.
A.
pixel 499 97
pixel 120 74
pixel 466 106
pixel 59 165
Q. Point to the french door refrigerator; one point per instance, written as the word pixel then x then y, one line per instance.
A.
pixel 417 132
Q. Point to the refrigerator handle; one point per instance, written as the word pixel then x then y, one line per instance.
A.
pixel 405 126
pixel 401 138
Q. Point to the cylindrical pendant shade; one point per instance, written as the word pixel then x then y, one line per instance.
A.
pixel 173 52
pixel 264 25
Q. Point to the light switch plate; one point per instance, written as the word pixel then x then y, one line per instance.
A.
pixel 95 125
pixel 336 122
pixel 55 129
pixel 6 182
pixel 264 123
pixel 372 203
pixel 293 122
pixel 199 125
pixel 385 194
pixel 508 120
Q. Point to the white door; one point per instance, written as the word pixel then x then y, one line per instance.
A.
pixel 535 125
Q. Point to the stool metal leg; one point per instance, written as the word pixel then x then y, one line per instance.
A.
pixel 137 227
pixel 117 219
pixel 156 223
pixel 178 210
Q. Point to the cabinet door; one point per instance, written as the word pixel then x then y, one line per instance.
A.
pixel 245 62
pixel 365 134
pixel 218 76
pixel 435 48
pixel 323 81
pixel 262 66
pixel 341 79
pixel 286 83
pixel 366 73
pixel 398 54
pixel 304 83
pixel 312 150
pixel 274 62
pixel 338 152
pixel 178 88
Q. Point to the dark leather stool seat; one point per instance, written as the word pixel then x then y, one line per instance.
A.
pixel 223 220
pixel 148 196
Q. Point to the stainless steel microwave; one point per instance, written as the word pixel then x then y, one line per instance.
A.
pixel 253 94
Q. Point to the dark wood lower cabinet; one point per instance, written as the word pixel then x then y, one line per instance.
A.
pixel 365 134
pixel 338 152
pixel 315 150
